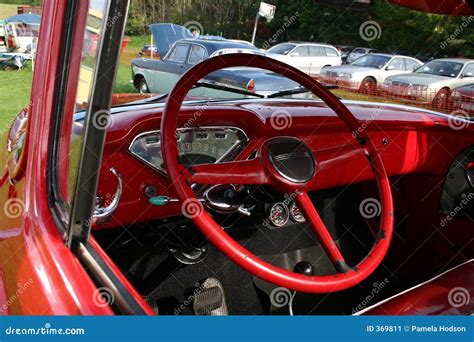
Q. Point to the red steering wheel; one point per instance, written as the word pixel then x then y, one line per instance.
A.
pixel 286 164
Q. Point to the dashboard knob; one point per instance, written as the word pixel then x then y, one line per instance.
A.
pixel 304 267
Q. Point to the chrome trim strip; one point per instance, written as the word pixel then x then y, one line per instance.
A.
pixel 244 140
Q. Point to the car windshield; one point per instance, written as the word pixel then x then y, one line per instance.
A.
pixel 441 68
pixel 372 61
pixel 282 49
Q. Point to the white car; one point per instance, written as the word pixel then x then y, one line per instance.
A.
pixel 358 52
pixel 433 82
pixel 307 57
pixel 368 72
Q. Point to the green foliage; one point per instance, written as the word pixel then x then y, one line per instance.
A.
pixel 401 29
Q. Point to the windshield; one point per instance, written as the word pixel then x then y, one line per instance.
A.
pixel 372 61
pixel 184 37
pixel 282 49
pixel 441 68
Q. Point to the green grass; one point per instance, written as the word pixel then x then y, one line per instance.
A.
pixel 14 93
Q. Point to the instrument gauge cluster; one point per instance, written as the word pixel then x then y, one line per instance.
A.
pixel 281 214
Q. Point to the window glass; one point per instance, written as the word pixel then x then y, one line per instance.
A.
pixel 282 49
pixel 469 70
pixel 397 64
pixel 85 78
pixel 178 54
pixel 316 51
pixel 301 51
pixel 411 64
pixel 196 54
pixel 330 52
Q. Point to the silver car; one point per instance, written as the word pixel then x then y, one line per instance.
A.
pixel 368 72
pixel 358 52
pixel 432 83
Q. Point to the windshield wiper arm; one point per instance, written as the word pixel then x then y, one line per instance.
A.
pixel 227 88
pixel 295 91
pixel 159 98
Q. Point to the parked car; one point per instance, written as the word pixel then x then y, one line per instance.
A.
pixel 366 73
pixel 307 57
pixel 147 50
pixel 358 52
pixel 462 99
pixel 344 50
pixel 431 84
pixel 159 76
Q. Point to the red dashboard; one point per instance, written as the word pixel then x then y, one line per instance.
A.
pixel 409 141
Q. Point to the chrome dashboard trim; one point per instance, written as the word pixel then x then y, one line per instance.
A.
pixel 225 157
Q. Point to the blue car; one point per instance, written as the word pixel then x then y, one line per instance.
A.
pixel 181 53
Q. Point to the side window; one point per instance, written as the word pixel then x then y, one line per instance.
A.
pixel 469 70
pixel 82 76
pixel 411 65
pixel 178 53
pixel 196 54
pixel 359 51
pixel 397 64
pixel 330 52
pixel 301 51
pixel 316 51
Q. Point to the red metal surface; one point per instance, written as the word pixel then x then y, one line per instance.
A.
pixel 452 7
pixel 451 293
pixel 32 250
pixel 34 258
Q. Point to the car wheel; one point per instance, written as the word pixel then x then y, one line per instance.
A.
pixel 441 100
pixel 368 86
pixel 143 87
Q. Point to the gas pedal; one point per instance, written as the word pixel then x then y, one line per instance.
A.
pixel 210 301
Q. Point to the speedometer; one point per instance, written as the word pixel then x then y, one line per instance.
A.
pixel 196 145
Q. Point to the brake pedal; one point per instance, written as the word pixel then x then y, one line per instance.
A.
pixel 210 301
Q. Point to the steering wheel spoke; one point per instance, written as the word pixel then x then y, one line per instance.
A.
pixel 319 228
pixel 248 172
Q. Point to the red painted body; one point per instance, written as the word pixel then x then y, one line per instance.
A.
pixel 451 7
pixel 32 250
